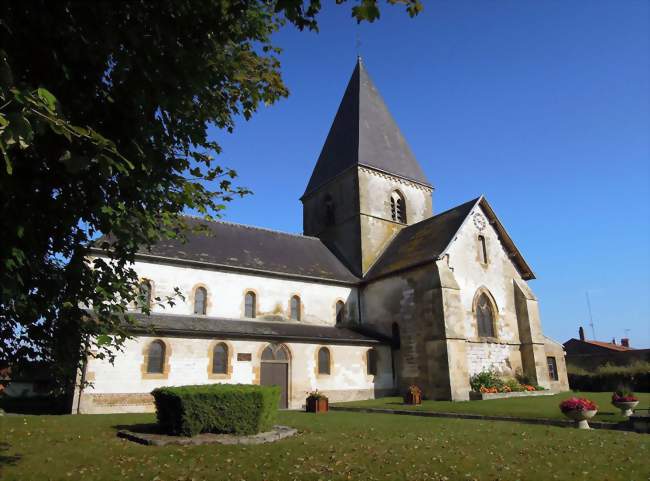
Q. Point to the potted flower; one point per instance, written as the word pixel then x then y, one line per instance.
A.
pixel 317 402
pixel 625 400
pixel 413 395
pixel 580 410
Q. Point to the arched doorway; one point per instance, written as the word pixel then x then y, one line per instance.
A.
pixel 275 371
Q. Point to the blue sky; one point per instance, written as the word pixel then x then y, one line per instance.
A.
pixel 543 107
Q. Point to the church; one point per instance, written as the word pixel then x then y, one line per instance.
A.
pixel 377 294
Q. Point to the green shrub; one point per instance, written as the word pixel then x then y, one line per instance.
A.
pixel 637 367
pixel 609 381
pixel 216 408
pixel 513 384
pixel 486 379
pixel 523 378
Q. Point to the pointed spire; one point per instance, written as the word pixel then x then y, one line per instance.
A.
pixel 364 133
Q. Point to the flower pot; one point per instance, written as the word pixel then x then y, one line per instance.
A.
pixel 317 405
pixel 581 417
pixel 626 407
pixel 412 398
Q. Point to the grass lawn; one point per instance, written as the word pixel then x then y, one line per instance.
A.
pixel 534 407
pixel 336 446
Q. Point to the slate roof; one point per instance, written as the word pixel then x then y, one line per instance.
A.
pixel 364 133
pixel 244 247
pixel 604 345
pixel 201 326
pixel 429 239
pixel 421 242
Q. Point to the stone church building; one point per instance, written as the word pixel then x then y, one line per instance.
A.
pixel 377 294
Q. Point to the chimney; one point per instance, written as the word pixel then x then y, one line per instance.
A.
pixel 625 342
pixel 581 333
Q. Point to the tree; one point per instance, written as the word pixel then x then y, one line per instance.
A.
pixel 104 109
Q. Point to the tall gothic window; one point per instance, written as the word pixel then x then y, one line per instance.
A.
pixel 485 316
pixel 552 368
pixel 398 207
pixel 250 304
pixel 482 248
pixel 156 357
pixel 295 308
pixel 200 300
pixel 323 361
pixel 340 312
pixel 220 359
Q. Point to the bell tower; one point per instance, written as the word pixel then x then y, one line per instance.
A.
pixel 366 185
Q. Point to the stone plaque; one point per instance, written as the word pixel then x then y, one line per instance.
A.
pixel 244 356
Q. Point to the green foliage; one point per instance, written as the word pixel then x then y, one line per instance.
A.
pixel 635 376
pixel 637 367
pixel 523 378
pixel 610 381
pixel 487 379
pixel 216 408
pixel 104 116
pixel 623 390
pixel 513 385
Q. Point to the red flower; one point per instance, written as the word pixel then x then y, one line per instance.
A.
pixel 577 404
pixel 619 398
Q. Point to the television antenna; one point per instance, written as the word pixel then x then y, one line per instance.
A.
pixel 591 317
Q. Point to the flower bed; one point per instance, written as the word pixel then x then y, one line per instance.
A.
pixel 487 384
pixel 479 396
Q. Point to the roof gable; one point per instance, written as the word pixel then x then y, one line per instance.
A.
pixel 431 239
pixel 364 133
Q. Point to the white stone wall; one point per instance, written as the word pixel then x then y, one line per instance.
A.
pixel 488 355
pixel 497 277
pixel 226 292
pixel 123 386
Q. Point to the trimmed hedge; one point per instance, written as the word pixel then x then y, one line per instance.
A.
pixel 610 381
pixel 216 408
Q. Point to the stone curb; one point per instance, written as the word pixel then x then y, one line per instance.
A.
pixel 621 426
pixel 153 439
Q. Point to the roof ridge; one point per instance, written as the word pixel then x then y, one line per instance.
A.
pixel 252 227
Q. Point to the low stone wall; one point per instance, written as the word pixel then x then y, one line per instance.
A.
pixel 116 403
pixel 481 396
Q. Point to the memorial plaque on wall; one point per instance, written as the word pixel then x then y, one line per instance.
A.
pixel 244 356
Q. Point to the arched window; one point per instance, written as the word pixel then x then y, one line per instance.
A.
pixel 323 361
pixel 398 207
pixel 371 361
pixel 482 249
pixel 275 352
pixel 156 357
pixel 250 304
pixel 340 312
pixel 397 342
pixel 200 300
pixel 485 316
pixel 144 296
pixel 329 210
pixel 295 308
pixel 220 359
